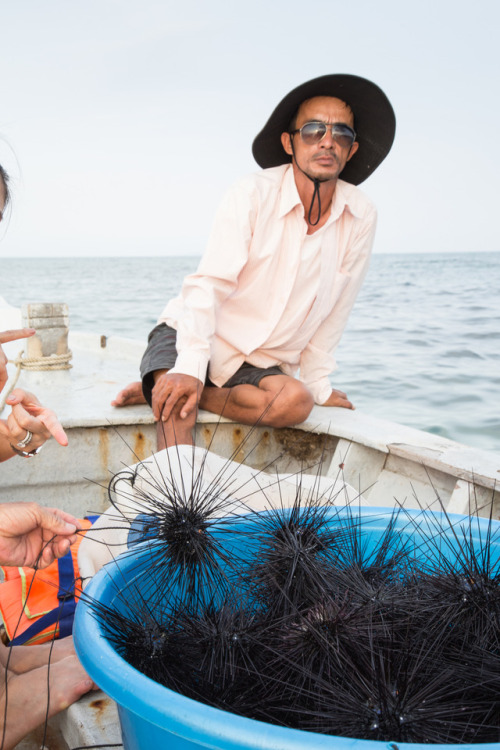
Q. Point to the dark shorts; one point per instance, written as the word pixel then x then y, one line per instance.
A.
pixel 161 354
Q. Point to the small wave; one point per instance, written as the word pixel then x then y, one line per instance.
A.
pixel 489 322
pixel 462 354
pixel 424 343
pixel 484 336
pixel 459 398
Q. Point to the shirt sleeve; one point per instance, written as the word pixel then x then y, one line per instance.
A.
pixel 216 278
pixel 317 361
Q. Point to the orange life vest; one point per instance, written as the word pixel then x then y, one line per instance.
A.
pixel 39 605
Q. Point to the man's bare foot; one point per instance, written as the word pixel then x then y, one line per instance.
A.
pixel 132 394
pixel 27 696
pixel 24 658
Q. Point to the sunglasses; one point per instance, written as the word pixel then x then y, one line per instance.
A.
pixel 314 132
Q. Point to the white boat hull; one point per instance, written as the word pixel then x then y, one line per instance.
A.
pixel 388 462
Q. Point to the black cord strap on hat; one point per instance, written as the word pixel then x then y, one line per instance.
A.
pixel 316 194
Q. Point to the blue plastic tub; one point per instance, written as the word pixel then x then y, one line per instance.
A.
pixel 154 717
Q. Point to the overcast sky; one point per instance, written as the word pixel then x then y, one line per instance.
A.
pixel 123 122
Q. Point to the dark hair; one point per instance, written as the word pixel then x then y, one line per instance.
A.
pixel 293 121
pixel 4 177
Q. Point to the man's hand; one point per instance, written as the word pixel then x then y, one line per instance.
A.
pixel 175 392
pixel 32 535
pixel 28 414
pixel 21 333
pixel 338 398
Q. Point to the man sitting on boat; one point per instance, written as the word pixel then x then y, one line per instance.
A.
pixel 286 258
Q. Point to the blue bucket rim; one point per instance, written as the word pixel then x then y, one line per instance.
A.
pixel 198 722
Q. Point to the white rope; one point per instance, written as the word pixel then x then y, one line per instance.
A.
pixel 52 362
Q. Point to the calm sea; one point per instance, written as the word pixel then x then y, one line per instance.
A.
pixel 422 346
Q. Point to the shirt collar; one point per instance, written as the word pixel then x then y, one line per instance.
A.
pixel 346 196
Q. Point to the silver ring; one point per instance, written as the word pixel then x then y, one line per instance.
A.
pixel 27 439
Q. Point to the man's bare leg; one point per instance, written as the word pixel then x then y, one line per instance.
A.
pixel 166 432
pixel 27 696
pixel 175 431
pixel 278 401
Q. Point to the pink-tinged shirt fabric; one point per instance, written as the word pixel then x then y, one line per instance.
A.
pixel 268 293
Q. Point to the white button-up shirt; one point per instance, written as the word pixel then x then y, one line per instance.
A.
pixel 268 293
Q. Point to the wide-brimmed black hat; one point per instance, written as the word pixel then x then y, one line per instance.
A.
pixel 374 123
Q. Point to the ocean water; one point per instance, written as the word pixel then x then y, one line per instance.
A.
pixel 422 345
